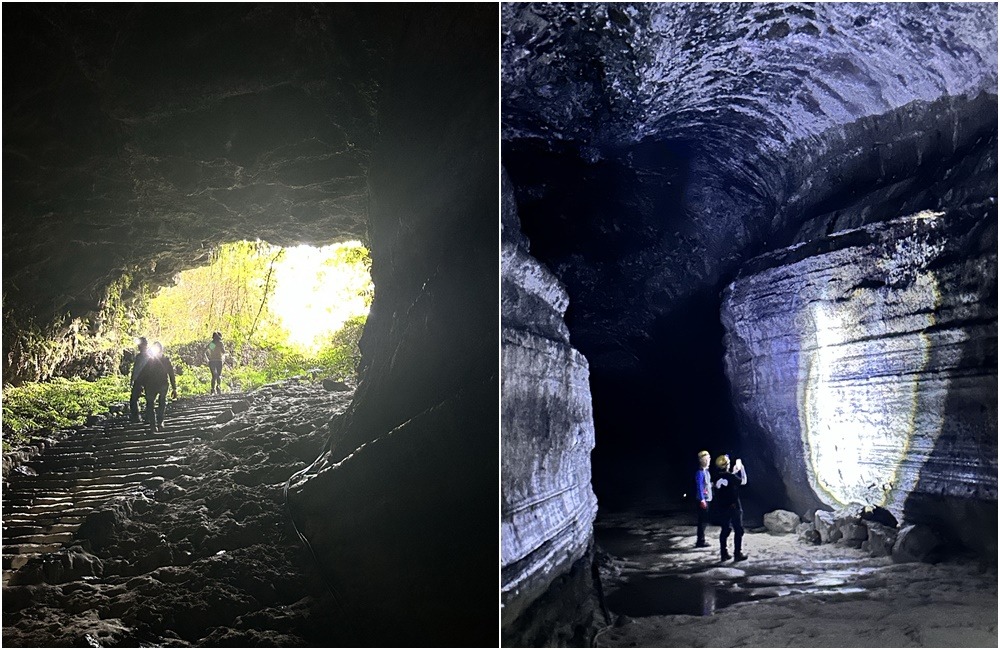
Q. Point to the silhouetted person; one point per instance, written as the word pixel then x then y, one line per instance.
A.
pixel 215 353
pixel 727 505
pixel 703 493
pixel 137 366
pixel 155 377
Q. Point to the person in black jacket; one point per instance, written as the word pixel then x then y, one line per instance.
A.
pixel 137 366
pixel 155 377
pixel 727 504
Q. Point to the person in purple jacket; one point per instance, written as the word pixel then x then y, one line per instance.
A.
pixel 703 494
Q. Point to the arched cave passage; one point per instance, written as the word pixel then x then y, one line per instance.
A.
pixel 661 160
pixel 138 136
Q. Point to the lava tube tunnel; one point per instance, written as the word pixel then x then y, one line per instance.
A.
pixel 137 140
pixel 762 230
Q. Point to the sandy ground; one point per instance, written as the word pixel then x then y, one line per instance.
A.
pixel 788 594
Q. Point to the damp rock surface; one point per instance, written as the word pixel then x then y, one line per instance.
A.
pixel 206 558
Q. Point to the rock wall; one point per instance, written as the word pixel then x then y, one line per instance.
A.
pixel 547 503
pixel 137 137
pixel 864 368
pixel 401 508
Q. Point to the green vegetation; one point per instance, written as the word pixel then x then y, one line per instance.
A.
pixel 282 313
pixel 56 404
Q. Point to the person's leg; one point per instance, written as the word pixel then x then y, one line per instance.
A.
pixel 133 403
pixel 738 534
pixel 216 369
pixel 702 522
pixel 161 404
pixel 150 412
pixel 724 535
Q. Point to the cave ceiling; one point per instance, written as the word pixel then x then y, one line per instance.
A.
pixel 655 147
pixel 136 137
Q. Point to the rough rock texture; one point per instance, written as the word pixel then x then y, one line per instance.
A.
pixel 401 510
pixel 137 137
pixel 683 136
pixel 547 503
pixel 206 558
pixel 654 148
pixel 866 364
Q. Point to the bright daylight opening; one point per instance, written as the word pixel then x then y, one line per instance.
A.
pixel 281 312
pixel 318 290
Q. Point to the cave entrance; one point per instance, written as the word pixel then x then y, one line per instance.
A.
pixel 280 310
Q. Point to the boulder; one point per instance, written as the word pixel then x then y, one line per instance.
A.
pixel 917 543
pixel 225 416
pixel 826 525
pixel 853 535
pixel 781 522
pixel 880 540
pixel 240 406
pixel 807 533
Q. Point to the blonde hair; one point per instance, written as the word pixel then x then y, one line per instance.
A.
pixel 702 454
pixel 722 461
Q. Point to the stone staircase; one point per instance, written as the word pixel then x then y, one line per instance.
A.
pixel 75 476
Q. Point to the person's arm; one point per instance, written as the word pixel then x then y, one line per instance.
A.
pixel 741 470
pixel 170 373
pixel 702 489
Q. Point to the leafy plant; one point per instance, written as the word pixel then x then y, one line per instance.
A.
pixel 58 403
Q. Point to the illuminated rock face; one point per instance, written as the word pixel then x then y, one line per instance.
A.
pixel 548 506
pixel 863 367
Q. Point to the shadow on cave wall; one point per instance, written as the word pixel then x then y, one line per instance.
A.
pixel 961 502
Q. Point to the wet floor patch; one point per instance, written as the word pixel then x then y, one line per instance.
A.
pixel 656 570
pixel 670 595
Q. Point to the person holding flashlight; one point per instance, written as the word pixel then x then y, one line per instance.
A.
pixel 727 503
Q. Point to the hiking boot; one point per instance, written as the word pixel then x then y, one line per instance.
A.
pixel 739 557
pixel 701 544
pixel 725 555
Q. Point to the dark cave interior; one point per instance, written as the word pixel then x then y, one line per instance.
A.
pixel 606 226
pixel 136 137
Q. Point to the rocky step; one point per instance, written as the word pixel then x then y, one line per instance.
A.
pixel 41 539
pixel 45 504
pixel 91 466
pixel 124 459
pixel 109 445
pixel 14 561
pixel 14 531
pixel 38 549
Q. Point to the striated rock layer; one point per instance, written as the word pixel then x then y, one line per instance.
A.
pixel 864 368
pixel 548 505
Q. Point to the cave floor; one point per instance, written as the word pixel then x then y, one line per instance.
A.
pixel 204 558
pixel 664 592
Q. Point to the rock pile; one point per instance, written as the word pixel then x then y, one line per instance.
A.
pixel 201 552
pixel 874 530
